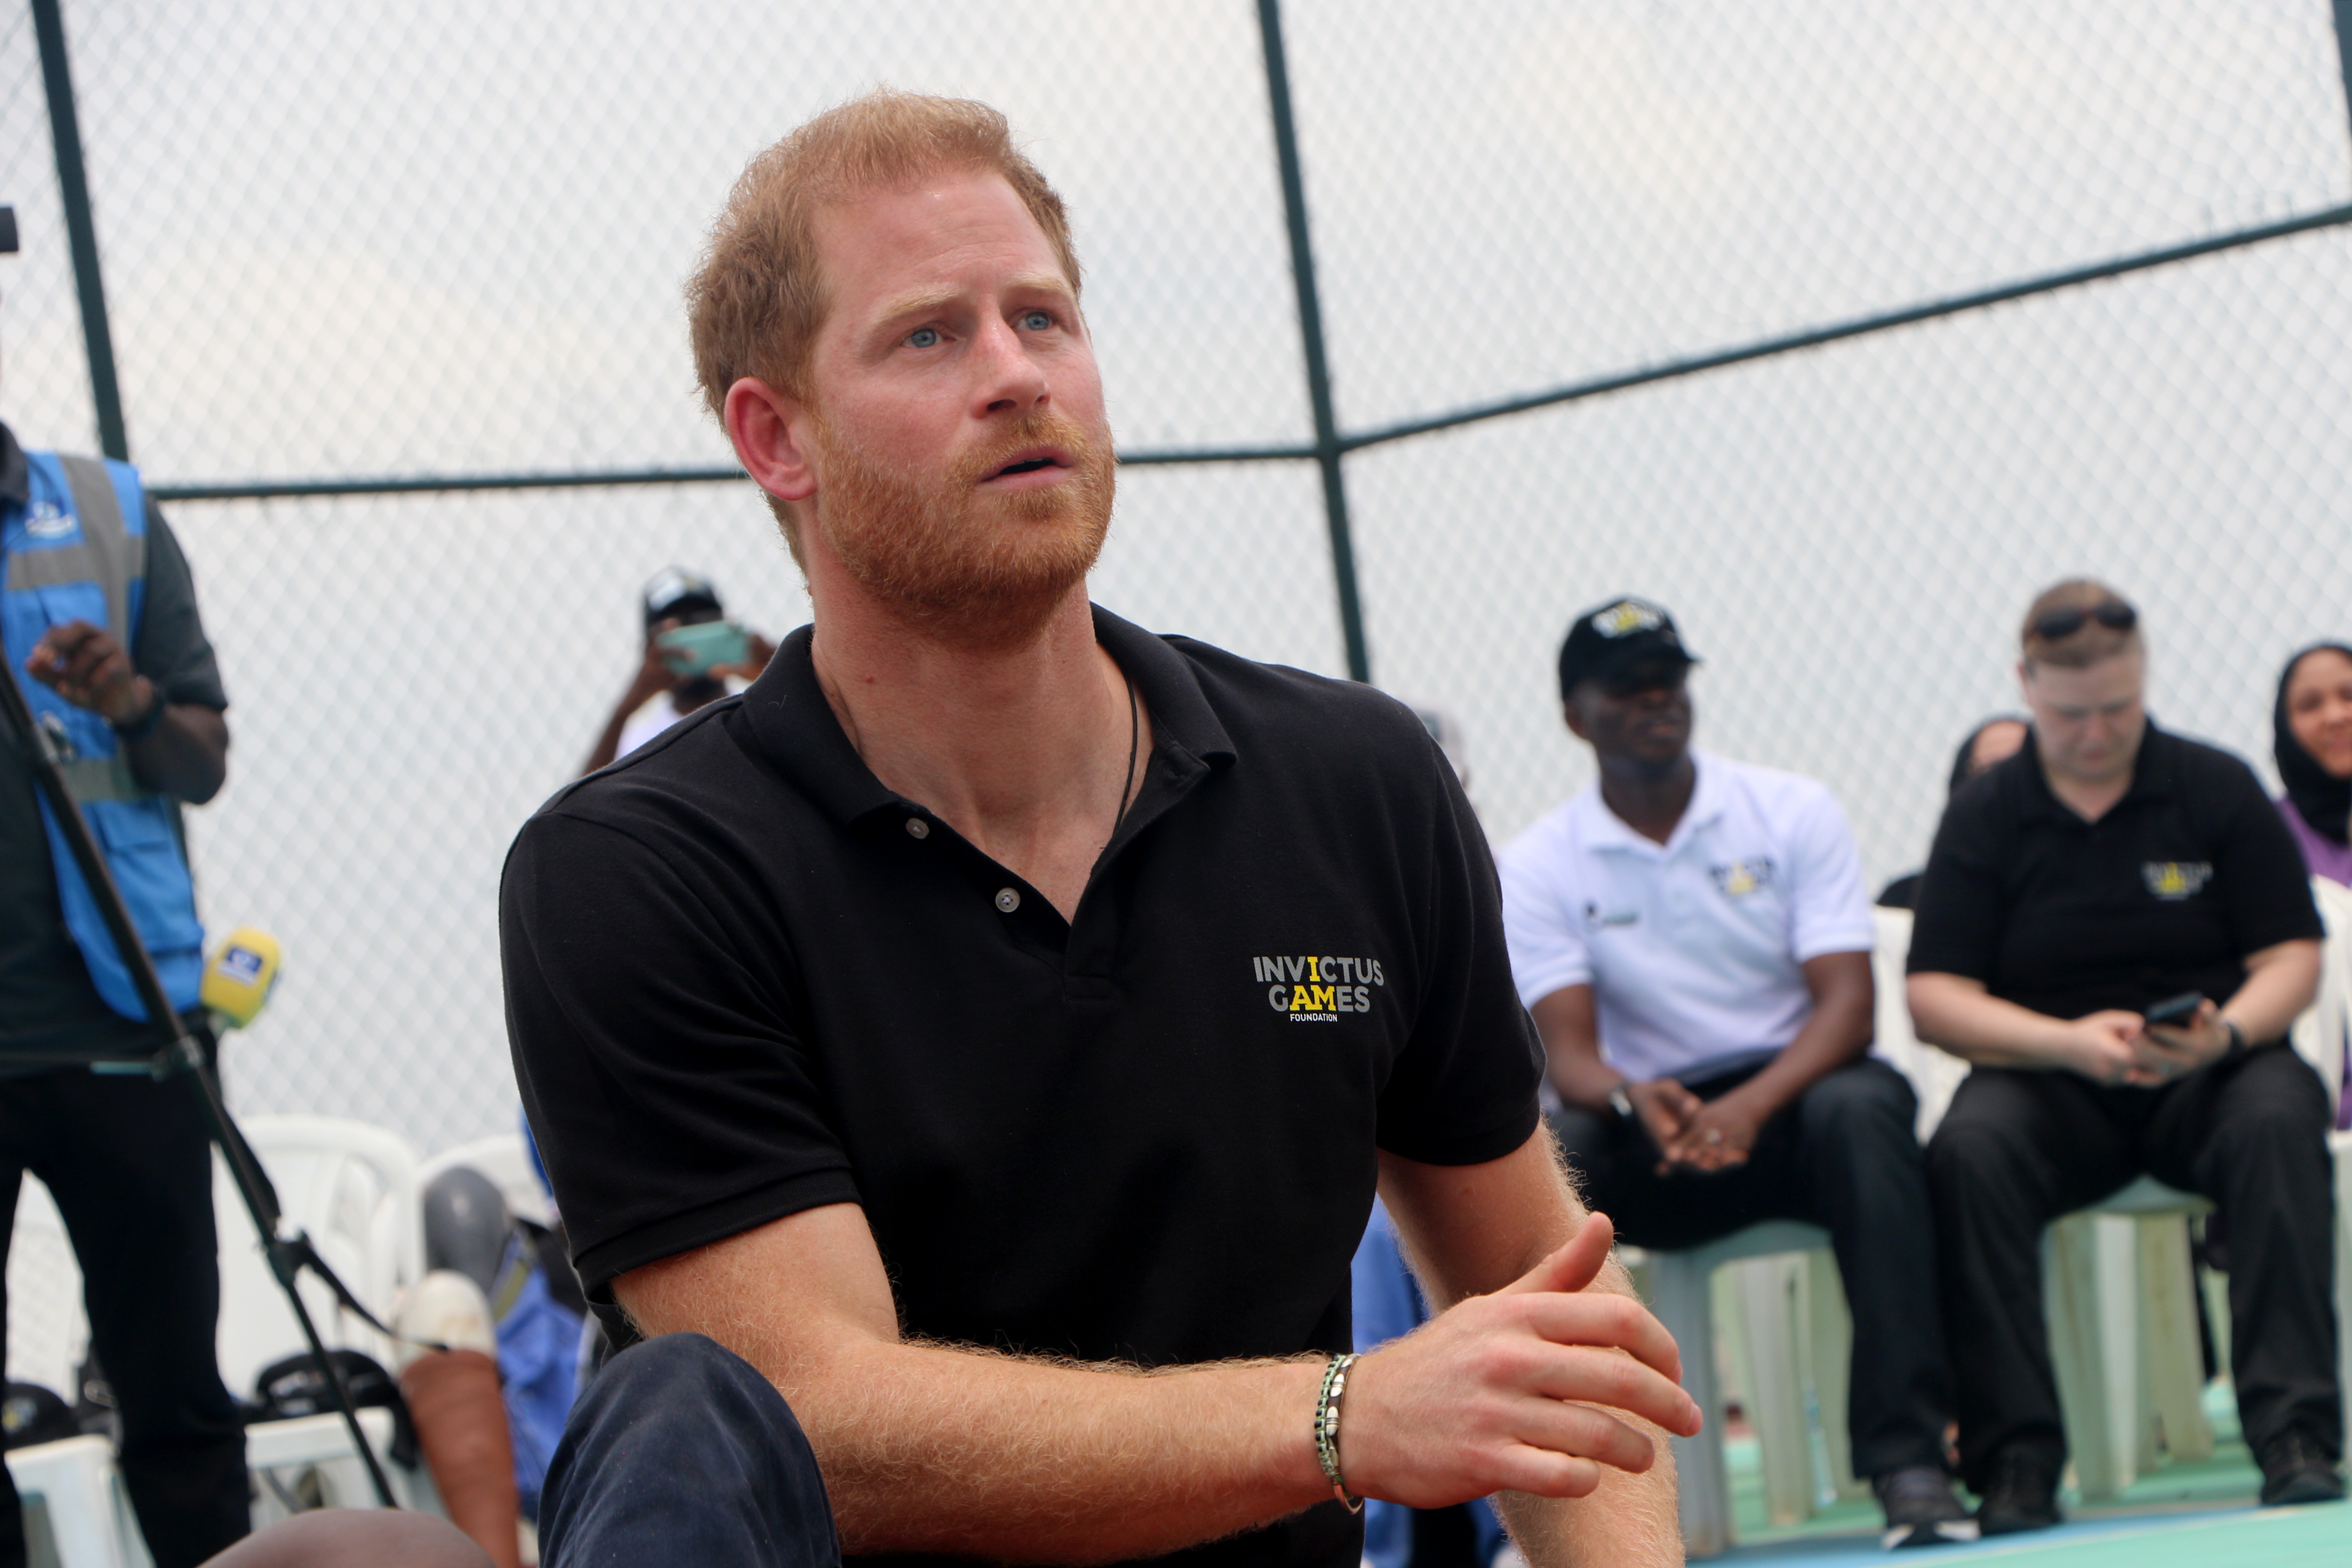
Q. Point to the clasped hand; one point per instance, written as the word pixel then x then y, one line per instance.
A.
pixel 2118 1048
pixel 1693 1134
pixel 1519 1391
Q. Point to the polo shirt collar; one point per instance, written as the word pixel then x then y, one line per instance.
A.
pixel 797 728
pixel 1604 829
pixel 2156 775
pixel 16 478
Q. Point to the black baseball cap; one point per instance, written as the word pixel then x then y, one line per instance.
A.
pixel 1618 636
pixel 674 590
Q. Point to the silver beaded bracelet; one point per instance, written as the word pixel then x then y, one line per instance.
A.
pixel 1327 1429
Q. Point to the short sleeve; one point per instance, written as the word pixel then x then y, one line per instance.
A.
pixel 1547 944
pixel 170 647
pixel 1956 922
pixel 669 1096
pixel 2263 882
pixel 1829 907
pixel 1463 1090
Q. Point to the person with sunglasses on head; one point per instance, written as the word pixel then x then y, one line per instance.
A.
pixel 2107 869
pixel 1693 938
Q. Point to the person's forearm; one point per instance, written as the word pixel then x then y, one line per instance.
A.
pixel 1982 1029
pixel 929 1447
pixel 1582 1079
pixel 1835 1034
pixel 2275 993
pixel 185 755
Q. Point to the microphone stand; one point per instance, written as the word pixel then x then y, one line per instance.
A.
pixel 289 1249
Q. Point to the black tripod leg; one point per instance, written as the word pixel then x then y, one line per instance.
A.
pixel 285 1257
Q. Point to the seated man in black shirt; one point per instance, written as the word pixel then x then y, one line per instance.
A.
pixel 2106 868
pixel 996 1003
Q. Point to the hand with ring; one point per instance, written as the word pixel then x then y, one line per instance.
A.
pixel 1719 1134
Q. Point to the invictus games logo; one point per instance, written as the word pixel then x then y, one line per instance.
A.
pixel 1738 878
pixel 2173 880
pixel 1600 919
pixel 47 519
pixel 1316 989
pixel 1627 617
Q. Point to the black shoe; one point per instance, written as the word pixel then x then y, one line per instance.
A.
pixel 2297 1469
pixel 1920 1508
pixel 2021 1492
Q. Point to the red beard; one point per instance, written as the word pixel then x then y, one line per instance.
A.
pixel 972 568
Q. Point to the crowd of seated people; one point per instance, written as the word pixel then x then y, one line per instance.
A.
pixel 2116 928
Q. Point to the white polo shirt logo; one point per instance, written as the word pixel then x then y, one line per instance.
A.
pixel 1316 988
pixel 1600 919
pixel 1741 879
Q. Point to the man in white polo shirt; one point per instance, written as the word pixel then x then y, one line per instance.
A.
pixel 1693 938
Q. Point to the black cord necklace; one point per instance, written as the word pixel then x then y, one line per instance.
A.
pixel 1134 731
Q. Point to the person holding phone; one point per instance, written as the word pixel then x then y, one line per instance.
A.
pixel 2114 929
pixel 692 651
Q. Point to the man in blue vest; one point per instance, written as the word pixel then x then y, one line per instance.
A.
pixel 102 636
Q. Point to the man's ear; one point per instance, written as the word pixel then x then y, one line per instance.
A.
pixel 770 429
pixel 1575 721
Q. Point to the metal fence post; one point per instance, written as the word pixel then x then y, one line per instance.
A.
pixel 1330 455
pixel 81 234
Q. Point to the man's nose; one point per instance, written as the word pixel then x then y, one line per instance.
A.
pixel 1011 380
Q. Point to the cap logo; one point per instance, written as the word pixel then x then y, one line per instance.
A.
pixel 1625 617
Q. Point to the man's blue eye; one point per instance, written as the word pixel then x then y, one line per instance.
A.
pixel 923 337
pixel 1037 321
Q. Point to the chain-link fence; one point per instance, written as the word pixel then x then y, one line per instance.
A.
pixel 376 242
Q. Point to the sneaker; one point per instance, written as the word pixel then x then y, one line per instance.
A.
pixel 1920 1508
pixel 2021 1492
pixel 2296 1469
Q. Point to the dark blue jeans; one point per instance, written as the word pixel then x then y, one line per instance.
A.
pixel 678 1452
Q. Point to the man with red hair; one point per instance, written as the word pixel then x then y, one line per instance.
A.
pixel 987 1032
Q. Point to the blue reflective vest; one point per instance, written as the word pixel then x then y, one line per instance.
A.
pixel 76 551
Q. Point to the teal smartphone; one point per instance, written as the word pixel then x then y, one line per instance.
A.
pixel 692 650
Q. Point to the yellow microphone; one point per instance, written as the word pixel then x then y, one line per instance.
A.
pixel 237 980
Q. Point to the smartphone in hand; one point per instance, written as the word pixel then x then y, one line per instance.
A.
pixel 692 650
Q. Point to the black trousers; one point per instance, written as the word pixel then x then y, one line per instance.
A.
pixel 2019 1148
pixel 680 1452
pixel 1844 1156
pixel 127 1160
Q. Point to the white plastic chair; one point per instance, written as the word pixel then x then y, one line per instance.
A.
pixel 353 1188
pixel 1679 1287
pixel 74 1482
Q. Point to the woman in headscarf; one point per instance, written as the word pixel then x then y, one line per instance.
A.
pixel 2312 740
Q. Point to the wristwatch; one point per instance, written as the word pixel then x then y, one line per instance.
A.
pixel 1620 1102
pixel 2237 1037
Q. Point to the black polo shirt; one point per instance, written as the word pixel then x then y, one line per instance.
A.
pixel 2168 892
pixel 745 979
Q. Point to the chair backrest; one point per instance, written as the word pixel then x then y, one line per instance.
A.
pixel 2321 1034
pixel 352 1187
pixel 1935 1075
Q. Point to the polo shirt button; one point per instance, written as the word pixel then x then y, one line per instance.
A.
pixel 1007 900
pixel 918 828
